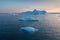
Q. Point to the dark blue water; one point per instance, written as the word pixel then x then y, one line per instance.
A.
pixel 48 25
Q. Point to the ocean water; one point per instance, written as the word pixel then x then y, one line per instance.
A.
pixel 48 25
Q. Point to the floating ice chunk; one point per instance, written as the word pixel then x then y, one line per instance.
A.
pixel 28 19
pixel 29 30
pixel 35 12
pixel 43 12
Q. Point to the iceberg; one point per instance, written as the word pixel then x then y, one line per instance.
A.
pixel 35 12
pixel 28 19
pixel 43 12
pixel 28 30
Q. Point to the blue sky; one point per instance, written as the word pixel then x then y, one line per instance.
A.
pixel 26 5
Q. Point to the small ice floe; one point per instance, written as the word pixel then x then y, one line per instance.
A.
pixel 28 30
pixel 28 19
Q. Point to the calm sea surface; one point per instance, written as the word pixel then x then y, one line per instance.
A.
pixel 48 25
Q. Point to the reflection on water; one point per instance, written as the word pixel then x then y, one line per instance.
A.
pixel 48 25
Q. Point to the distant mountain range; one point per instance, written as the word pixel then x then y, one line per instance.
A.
pixel 35 12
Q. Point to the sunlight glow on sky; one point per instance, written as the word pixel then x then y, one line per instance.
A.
pixel 26 5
